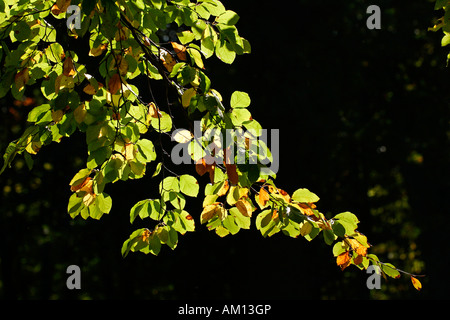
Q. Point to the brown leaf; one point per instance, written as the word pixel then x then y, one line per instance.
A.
pixel 21 79
pixel 114 84
pixel 232 174
pixel 68 67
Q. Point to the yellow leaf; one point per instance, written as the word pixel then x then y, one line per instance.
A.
pixel 182 136
pixel 244 207
pixel 80 113
pixel 97 51
pixel 89 199
pixel 416 283
pixel 62 82
pixel 222 212
pixel 224 189
pixel 208 212
pixel 129 151
pixel 187 96
pixel 305 229
pixel 33 146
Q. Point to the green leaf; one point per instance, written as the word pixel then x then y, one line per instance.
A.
pixel 230 224
pixel 304 196
pixel 139 209
pixel 9 155
pixel 228 17
pixel 169 184
pixel 240 99
pixel 55 52
pixel 340 247
pixel 163 123
pixel 75 205
pixel 445 39
pixel 345 223
pixel 238 116
pixel 189 185
pixel 38 113
pixel 185 37
pixel 225 52
pixel 390 270
pixel 146 149
pixel 241 220
pixel 329 237
pixel 157 170
pixel 440 4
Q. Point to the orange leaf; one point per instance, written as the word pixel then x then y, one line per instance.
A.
pixel 275 214
pixel 416 283
pixel 81 185
pixel 114 84
pixel 305 209
pixel 285 195
pixel 200 166
pixel 358 247
pixel 343 260
pixel 263 196
pixel 180 50
pixel 60 6
pixel 146 235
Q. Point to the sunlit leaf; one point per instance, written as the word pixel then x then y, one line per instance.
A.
pixel 416 283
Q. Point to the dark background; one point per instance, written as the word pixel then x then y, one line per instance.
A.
pixel 363 118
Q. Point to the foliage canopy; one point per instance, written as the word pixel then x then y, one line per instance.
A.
pixel 91 77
